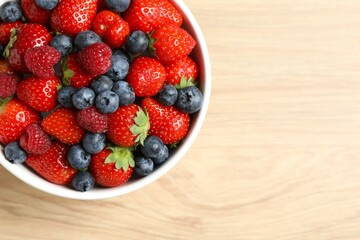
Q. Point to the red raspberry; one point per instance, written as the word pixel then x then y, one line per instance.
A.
pixel 8 84
pixel 92 120
pixel 41 60
pixel 35 140
pixel 96 59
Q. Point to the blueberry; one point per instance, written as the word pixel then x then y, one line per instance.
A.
pixel 10 11
pixel 117 6
pixel 14 153
pixel 107 102
pixel 163 156
pixel 102 84
pixel 168 95
pixel 137 42
pixel 94 142
pixel 119 68
pixel 152 147
pixel 83 181
pixel 123 53
pixel 85 39
pixel 144 166
pixel 62 43
pixel 125 92
pixel 47 4
pixel 83 98
pixel 78 158
pixel 189 99
pixel 64 96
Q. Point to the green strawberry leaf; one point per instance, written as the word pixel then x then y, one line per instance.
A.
pixel 3 102
pixel 141 126
pixel 185 83
pixel 67 73
pixel 122 157
pixel 13 39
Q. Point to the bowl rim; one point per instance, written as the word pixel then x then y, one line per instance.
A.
pixel 104 193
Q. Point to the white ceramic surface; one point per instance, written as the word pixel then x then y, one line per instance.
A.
pixel 201 56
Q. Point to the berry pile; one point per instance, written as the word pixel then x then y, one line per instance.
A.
pixel 94 91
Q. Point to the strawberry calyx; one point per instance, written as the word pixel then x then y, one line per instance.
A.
pixel 152 41
pixel 67 73
pixel 185 83
pixel 141 126
pixel 3 102
pixel 13 39
pixel 121 156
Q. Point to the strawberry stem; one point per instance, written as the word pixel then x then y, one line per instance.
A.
pixel 10 44
pixel 122 157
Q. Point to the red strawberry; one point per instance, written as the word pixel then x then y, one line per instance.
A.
pixel 5 67
pixel 95 59
pixel 28 35
pixel 116 34
pixel 35 140
pixel 52 165
pixel 168 123
pixel 128 126
pixel 15 117
pixel 112 167
pixel 146 76
pixel 92 120
pixel 35 14
pixel 171 43
pixel 147 15
pixel 39 93
pixel 74 75
pixel 5 31
pixel 41 60
pixel 103 21
pixel 8 84
pixel 63 126
pixel 185 67
pixel 73 16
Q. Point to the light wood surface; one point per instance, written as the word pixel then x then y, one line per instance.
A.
pixel 278 157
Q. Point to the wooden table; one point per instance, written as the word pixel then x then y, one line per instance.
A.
pixel 278 157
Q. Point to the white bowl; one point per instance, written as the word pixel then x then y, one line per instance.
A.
pixel 201 56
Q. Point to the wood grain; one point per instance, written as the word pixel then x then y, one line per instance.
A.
pixel 278 157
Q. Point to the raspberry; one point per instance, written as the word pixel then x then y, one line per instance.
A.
pixel 35 140
pixel 41 60
pixel 7 84
pixel 96 59
pixel 92 120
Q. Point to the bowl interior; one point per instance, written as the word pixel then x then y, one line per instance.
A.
pixel 200 54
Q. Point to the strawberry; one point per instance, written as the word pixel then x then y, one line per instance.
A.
pixel 5 31
pixel 71 17
pixel 168 123
pixel 147 15
pixel 39 93
pixel 103 21
pixel 35 14
pixel 146 76
pixel 113 166
pixel 35 140
pixel 8 84
pixel 171 43
pixel 100 5
pixel 73 74
pixel 52 165
pixel 92 120
pixel 41 60
pixel 26 36
pixel 128 126
pixel 63 126
pixel 116 34
pixel 95 59
pixel 15 117
pixel 185 67
pixel 5 67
